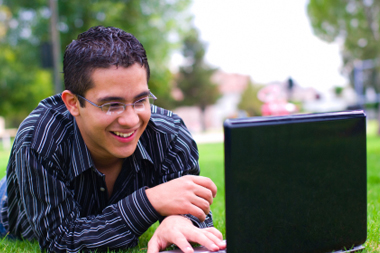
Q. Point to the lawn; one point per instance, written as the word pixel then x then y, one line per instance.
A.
pixel 212 165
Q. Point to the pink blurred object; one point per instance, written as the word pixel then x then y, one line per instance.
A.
pixel 275 103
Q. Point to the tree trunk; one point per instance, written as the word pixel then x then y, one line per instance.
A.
pixel 56 45
pixel 203 119
pixel 378 119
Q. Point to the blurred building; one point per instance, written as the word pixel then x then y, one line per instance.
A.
pixel 330 101
pixel 231 87
pixel 296 99
pixel 6 134
pixel 284 98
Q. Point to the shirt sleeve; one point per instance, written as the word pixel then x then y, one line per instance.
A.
pixel 54 215
pixel 182 159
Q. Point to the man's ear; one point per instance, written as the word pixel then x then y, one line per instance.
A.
pixel 71 101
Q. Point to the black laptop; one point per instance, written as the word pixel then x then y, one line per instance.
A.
pixel 296 183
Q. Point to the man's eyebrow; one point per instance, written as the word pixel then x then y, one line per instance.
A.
pixel 109 99
pixel 143 94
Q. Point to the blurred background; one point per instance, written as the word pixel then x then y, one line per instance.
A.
pixel 210 59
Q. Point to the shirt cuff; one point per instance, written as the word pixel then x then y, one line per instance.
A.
pixel 138 212
pixel 206 224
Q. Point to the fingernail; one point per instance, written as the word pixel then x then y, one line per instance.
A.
pixel 189 249
pixel 214 246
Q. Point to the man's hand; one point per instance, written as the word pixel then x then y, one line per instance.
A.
pixel 180 231
pixel 185 195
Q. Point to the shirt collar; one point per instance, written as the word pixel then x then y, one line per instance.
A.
pixel 80 155
pixel 140 154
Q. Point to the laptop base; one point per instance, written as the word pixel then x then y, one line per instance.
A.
pixel 202 249
pixel 354 249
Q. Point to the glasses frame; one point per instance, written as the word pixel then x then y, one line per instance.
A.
pixel 151 95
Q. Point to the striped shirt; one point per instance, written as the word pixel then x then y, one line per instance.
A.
pixel 57 196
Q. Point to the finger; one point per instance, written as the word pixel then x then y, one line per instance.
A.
pixel 197 212
pixel 205 182
pixel 153 246
pixel 217 237
pixel 215 231
pixel 204 193
pixel 202 204
pixel 183 244
pixel 199 236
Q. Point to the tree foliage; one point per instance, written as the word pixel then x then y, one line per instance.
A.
pixel 355 23
pixel 249 101
pixel 158 24
pixel 195 76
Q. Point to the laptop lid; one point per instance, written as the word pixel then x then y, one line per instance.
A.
pixel 296 183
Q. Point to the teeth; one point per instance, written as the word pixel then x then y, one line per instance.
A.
pixel 123 134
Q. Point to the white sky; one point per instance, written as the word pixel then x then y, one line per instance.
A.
pixel 269 40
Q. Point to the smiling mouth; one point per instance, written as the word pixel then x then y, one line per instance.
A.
pixel 123 135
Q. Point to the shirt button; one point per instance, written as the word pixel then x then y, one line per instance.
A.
pixel 102 189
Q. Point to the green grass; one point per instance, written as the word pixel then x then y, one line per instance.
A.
pixel 212 166
pixel 373 189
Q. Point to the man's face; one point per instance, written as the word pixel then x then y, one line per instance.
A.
pixel 114 136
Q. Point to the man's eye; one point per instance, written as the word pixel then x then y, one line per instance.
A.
pixel 141 101
pixel 114 104
pixel 110 107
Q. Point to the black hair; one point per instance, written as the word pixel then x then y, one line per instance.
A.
pixel 99 47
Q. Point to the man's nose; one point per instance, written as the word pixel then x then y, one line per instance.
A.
pixel 129 117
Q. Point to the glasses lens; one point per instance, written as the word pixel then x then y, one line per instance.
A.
pixel 140 104
pixel 113 108
pixel 151 100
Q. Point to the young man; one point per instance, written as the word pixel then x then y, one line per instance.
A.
pixel 95 166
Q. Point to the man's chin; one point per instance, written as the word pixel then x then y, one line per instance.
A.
pixel 124 154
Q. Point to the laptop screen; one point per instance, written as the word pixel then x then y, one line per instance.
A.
pixel 296 183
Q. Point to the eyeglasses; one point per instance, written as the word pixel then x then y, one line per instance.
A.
pixel 118 107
